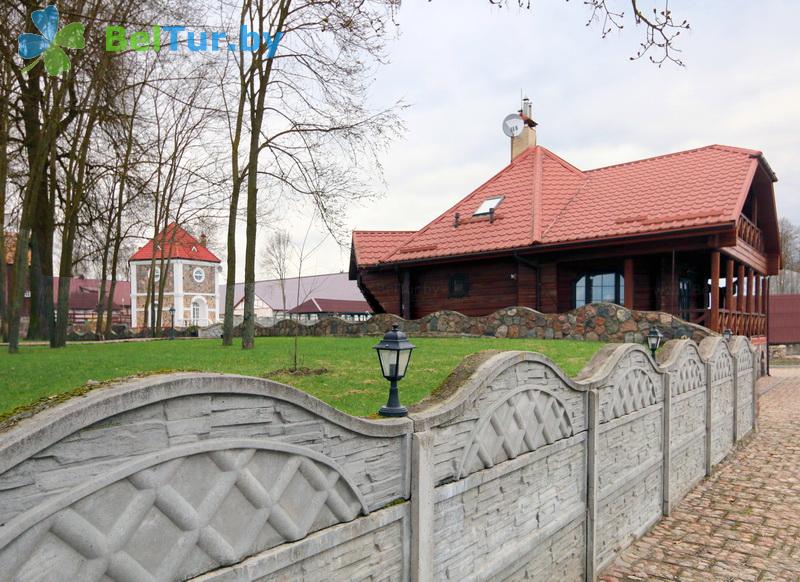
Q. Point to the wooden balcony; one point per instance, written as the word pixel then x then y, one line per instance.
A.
pixel 750 233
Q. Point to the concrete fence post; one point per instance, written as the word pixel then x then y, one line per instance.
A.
pixel 667 437
pixel 709 415
pixel 754 377
pixel 422 507
pixel 592 424
pixel 736 428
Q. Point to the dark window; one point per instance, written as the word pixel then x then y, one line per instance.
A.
pixel 458 285
pixel 592 288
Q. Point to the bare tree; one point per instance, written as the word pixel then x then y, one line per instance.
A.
pixel 311 134
pixel 790 244
pixel 5 93
pixel 276 259
pixel 661 28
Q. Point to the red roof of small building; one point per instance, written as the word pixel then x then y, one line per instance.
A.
pixel 546 200
pixel 179 244
pixel 84 294
pixel 315 305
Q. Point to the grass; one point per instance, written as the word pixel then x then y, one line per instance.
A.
pixel 351 381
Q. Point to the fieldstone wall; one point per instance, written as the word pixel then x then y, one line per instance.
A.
pixel 606 322
pixel 521 473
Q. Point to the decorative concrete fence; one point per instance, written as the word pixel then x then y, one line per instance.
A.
pixel 522 473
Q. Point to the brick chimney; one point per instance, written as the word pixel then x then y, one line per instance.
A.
pixel 527 139
pixel 203 239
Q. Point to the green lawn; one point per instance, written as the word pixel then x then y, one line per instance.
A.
pixel 352 382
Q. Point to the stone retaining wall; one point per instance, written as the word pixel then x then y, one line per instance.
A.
pixel 522 473
pixel 606 322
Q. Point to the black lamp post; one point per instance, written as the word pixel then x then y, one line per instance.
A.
pixel 727 334
pixel 394 354
pixel 172 328
pixel 654 340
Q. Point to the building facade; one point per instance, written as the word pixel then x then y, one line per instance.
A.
pixel 692 233
pixel 189 272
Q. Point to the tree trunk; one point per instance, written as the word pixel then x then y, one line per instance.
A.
pixel 230 282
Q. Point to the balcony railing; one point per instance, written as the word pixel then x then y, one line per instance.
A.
pixel 750 233
pixel 739 323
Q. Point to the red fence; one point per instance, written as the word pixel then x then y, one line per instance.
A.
pixel 784 319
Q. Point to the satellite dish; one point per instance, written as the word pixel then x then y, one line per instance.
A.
pixel 513 125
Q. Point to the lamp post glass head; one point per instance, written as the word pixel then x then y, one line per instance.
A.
pixel 394 354
pixel 727 334
pixel 654 340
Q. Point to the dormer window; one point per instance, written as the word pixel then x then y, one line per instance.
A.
pixel 194 249
pixel 488 206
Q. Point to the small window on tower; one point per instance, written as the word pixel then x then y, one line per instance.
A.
pixel 488 205
pixel 199 275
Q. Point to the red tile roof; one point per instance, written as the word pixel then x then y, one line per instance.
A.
pixel 372 245
pixel 315 305
pixel 547 201
pixel 179 244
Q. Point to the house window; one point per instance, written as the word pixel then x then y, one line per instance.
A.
pixel 195 312
pixel 458 286
pixel 199 275
pixel 591 288
pixel 488 205
pixel 157 276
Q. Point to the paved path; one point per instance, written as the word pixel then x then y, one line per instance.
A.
pixel 743 523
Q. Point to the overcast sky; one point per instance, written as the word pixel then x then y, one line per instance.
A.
pixel 462 69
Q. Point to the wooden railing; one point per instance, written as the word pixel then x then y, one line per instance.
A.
pixel 750 233
pixel 749 324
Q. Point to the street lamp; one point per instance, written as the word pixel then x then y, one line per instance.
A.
pixel 394 353
pixel 727 335
pixel 172 329
pixel 654 340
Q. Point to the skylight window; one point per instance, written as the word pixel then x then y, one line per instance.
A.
pixel 488 205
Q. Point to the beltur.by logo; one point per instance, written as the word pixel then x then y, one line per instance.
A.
pixel 49 46
pixel 118 40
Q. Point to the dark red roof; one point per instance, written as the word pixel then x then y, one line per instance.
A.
pixel 178 243
pixel 315 305
pixel 546 200
pixel 84 293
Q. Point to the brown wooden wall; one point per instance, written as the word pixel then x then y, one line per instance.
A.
pixel 492 286
pixel 507 282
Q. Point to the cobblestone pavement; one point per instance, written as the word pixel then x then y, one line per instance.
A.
pixel 742 523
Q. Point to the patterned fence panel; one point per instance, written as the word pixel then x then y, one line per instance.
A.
pixel 720 365
pixel 166 479
pixel 516 442
pixel 628 458
pixel 745 409
pixel 687 419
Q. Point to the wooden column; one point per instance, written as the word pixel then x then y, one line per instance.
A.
pixel 714 320
pixel 740 296
pixel 729 286
pixel 751 303
pixel 764 308
pixel 629 283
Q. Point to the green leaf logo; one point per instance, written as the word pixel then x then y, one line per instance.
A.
pixel 49 46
